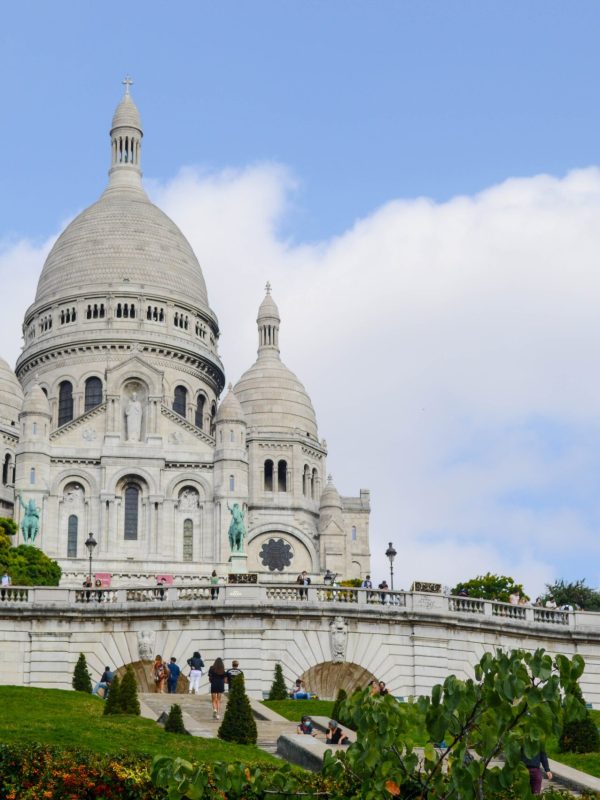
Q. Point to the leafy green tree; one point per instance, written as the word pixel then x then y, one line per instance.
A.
pixel 574 594
pixel 82 681
pixel 337 712
pixel 8 526
pixel 112 704
pixel 278 689
pixel 174 723
pixel 490 587
pixel 238 723
pixel 28 565
pixel 128 693
pixel 516 701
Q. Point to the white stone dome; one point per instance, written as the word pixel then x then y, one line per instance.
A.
pixel 36 401
pixel 330 497
pixel 126 114
pixel 230 409
pixel 11 396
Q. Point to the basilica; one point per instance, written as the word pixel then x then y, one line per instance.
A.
pixel 111 422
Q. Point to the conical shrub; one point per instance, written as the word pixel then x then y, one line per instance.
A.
pixel 82 681
pixel 278 690
pixel 128 693
pixel 238 723
pixel 113 701
pixel 174 723
pixel 337 706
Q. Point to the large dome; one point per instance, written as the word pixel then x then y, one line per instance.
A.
pixel 11 396
pixel 123 240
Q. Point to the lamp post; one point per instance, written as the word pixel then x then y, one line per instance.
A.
pixel 391 554
pixel 90 543
pixel 329 578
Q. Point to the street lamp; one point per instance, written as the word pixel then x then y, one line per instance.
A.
pixel 329 578
pixel 391 554
pixel 90 543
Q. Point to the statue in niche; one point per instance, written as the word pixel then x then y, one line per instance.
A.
pixel 74 495
pixel 338 633
pixel 30 524
pixel 189 500
pixel 237 529
pixel 145 641
pixel 133 415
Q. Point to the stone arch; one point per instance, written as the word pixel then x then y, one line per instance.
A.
pixel 182 479
pixel 143 676
pixel 327 678
pixel 138 472
pixel 276 530
pixel 90 485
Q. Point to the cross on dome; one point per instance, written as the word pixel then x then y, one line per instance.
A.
pixel 127 82
pixel 268 288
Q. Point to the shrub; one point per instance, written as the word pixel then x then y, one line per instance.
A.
pixel 238 723
pixel 278 688
pixel 128 693
pixel 174 723
pixel 82 681
pixel 336 712
pixel 8 526
pixel 490 587
pixel 113 701
pixel 580 736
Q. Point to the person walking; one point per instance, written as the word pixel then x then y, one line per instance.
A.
pixel 174 673
pixel 159 673
pixel 232 673
pixel 214 585
pixel 534 766
pixel 196 665
pixel 216 677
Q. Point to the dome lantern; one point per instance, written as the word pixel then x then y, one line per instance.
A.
pixel 268 320
pixel 126 142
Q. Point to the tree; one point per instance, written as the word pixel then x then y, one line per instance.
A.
pixel 516 701
pixel 82 681
pixel 113 701
pixel 278 689
pixel 580 735
pixel 490 587
pixel 28 565
pixel 174 723
pixel 128 693
pixel 574 594
pixel 238 723
pixel 8 526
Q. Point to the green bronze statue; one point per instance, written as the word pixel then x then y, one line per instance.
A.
pixel 237 529
pixel 30 524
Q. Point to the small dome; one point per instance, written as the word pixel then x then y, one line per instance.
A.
pixel 126 114
pixel 230 409
pixel 36 401
pixel 273 398
pixel 11 395
pixel 330 497
pixel 268 308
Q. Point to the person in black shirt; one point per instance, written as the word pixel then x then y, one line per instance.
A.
pixel 335 735
pixel 535 765
pixel 232 673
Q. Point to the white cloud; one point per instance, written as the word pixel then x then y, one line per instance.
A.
pixel 449 349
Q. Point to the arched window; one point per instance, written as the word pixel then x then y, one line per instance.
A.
pixel 93 393
pixel 32 476
pixel 306 480
pixel 282 476
pixel 268 475
pixel 231 483
pixel 65 402
pixel 188 540
pixel 180 400
pixel 313 484
pixel 199 416
pixel 231 436
pixel 132 501
pixel 6 470
pixel 72 526
pixel 354 533
pixel 213 414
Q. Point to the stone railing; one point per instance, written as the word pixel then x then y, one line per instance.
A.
pixel 287 595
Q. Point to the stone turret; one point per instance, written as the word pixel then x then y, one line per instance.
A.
pixel 32 478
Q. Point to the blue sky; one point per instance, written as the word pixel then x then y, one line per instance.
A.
pixel 417 179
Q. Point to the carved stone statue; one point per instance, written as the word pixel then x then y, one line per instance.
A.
pixel 189 500
pixel 338 634
pixel 30 524
pixel 133 414
pixel 146 639
pixel 237 529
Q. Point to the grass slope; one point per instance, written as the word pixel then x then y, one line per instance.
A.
pixel 75 720
pixel 295 709
pixel 586 762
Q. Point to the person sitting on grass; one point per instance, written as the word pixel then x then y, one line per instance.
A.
pixel 306 726
pixel 299 691
pixel 104 682
pixel 335 735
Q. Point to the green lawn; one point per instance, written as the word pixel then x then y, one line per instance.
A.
pixel 295 709
pixel 75 720
pixel 586 762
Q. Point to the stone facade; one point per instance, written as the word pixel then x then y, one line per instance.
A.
pixel 332 638
pixel 120 432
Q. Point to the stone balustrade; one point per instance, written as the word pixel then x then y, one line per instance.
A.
pixel 284 595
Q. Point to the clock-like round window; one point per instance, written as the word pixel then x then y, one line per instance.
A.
pixel 276 554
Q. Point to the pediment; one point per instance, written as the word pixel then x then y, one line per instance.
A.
pixel 86 430
pixel 132 369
